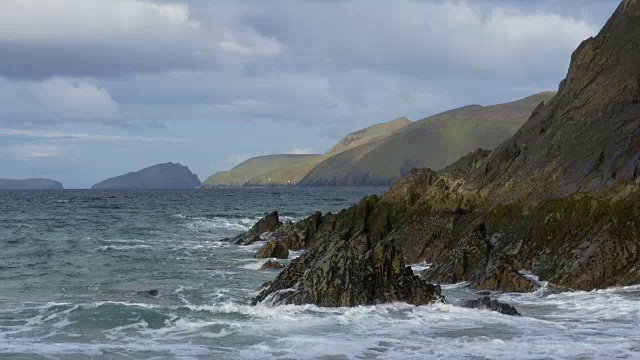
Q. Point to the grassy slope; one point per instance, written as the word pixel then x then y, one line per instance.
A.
pixel 432 142
pixel 274 170
pixel 253 167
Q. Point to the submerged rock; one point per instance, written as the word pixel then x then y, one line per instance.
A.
pixel 486 303
pixel 271 265
pixel 273 249
pixel 269 223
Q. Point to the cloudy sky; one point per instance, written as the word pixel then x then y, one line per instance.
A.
pixel 90 89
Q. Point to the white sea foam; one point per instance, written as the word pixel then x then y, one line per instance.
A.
pixel 124 247
pixel 420 267
pixel 216 223
pixel 598 324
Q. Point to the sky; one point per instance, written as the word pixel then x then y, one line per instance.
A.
pixel 91 89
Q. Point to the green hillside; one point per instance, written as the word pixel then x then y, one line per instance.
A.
pixel 432 142
pixel 282 170
pixel 268 170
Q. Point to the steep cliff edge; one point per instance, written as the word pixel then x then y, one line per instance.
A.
pixel 559 199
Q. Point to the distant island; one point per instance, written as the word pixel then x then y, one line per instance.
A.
pixel 381 154
pixel 160 176
pixel 30 184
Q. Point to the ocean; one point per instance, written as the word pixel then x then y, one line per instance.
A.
pixel 76 268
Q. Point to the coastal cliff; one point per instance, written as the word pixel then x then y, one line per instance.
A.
pixel 559 199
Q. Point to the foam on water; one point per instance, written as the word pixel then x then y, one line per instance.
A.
pixel 75 285
pixel 397 331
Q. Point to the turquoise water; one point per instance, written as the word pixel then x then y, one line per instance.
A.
pixel 75 268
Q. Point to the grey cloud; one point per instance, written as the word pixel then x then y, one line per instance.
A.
pixel 103 38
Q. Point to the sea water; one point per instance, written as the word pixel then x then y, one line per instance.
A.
pixel 76 268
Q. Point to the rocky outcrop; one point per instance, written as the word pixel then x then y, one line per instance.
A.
pixel 30 184
pixel 269 223
pixel 162 176
pixel 271 265
pixel 349 272
pixel 586 137
pixel 273 249
pixel 486 303
pixel 297 235
pixel 559 199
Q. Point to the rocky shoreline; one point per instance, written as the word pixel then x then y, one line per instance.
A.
pixel 560 200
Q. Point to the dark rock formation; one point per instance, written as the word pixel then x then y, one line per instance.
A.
pixel 486 303
pixel 30 184
pixel 161 176
pixel 269 223
pixel 273 249
pixel 559 199
pixel 349 272
pixel 297 235
pixel 271 265
pixel 586 137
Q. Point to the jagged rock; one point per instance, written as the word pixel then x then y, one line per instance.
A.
pixel 560 198
pixel 271 265
pixel 499 275
pixel 348 272
pixel 486 303
pixel 273 249
pixel 269 223
pixel 585 138
pixel 298 235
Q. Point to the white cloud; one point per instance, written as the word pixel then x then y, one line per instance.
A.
pixel 64 21
pixel 112 37
pixel 74 100
pixel 53 135
pixel 416 36
pixel 58 99
pixel 301 151
pixel 29 152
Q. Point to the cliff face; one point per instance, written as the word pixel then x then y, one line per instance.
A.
pixel 586 137
pixel 161 176
pixel 30 184
pixel 559 199
pixel 433 142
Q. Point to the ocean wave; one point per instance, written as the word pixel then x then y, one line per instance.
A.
pixel 124 247
pixel 389 331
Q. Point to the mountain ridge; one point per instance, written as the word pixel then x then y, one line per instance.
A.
pixel 434 142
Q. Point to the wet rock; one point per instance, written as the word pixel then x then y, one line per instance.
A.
pixel 298 235
pixel 269 223
pixel 499 275
pixel 486 303
pixel 271 265
pixel 149 292
pixel 273 249
pixel 343 271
